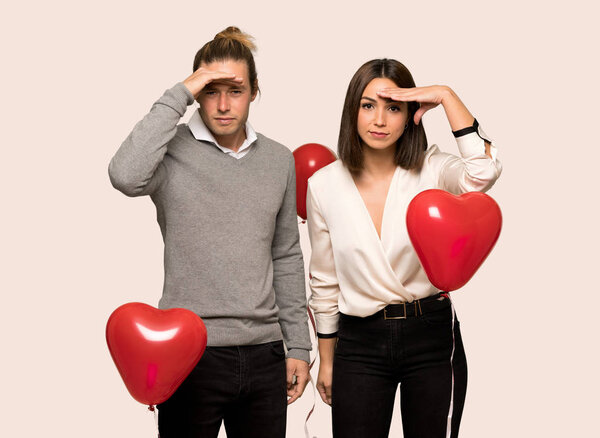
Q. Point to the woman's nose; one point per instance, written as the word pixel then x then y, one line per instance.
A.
pixel 379 118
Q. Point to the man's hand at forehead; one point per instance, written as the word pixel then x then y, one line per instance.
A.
pixel 236 82
pixel 198 80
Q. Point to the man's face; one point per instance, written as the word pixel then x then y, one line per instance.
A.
pixel 224 105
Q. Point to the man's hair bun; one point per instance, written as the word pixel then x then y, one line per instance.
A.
pixel 235 34
pixel 230 43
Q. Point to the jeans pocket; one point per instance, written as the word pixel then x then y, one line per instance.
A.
pixel 341 345
pixel 438 317
pixel 277 348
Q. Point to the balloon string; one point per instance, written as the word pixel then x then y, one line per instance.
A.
pixel 306 433
pixel 152 409
pixel 312 382
pixel 449 423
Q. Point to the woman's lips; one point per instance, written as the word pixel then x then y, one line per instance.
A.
pixel 378 134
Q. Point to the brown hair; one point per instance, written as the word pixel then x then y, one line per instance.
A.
pixel 230 43
pixel 410 147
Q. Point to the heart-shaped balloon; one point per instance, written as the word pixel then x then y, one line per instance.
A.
pixel 154 350
pixel 452 235
pixel 308 158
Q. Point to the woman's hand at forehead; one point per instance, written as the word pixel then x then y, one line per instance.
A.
pixel 429 97
pixel 457 113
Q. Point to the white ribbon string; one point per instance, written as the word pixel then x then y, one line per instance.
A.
pixel 312 383
pixel 153 409
pixel 451 409
pixel 306 433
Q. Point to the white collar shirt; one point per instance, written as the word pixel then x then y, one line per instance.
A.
pixel 201 132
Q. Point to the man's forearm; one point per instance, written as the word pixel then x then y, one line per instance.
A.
pixel 288 281
pixel 132 170
pixel 288 275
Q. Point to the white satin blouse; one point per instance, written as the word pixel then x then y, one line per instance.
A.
pixel 352 269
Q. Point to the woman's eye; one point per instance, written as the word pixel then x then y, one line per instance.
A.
pixel 366 106
pixel 395 108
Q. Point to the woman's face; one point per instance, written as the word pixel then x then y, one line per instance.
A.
pixel 381 122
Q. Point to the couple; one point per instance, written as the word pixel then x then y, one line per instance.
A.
pixel 225 201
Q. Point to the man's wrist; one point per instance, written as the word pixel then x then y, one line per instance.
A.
pixel 298 353
pixel 184 93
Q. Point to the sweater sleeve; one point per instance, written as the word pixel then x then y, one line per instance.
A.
pixel 288 274
pixel 137 169
pixel 472 171
pixel 324 285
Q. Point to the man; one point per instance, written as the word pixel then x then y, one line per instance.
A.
pixel 225 201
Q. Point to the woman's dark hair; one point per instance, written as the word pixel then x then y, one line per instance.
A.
pixel 410 147
pixel 230 43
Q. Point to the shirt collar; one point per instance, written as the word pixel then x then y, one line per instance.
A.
pixel 201 132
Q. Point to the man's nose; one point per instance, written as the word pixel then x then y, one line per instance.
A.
pixel 223 103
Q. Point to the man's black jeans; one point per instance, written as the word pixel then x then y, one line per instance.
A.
pixel 243 386
pixel 374 355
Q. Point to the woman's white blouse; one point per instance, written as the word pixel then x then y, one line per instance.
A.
pixel 353 270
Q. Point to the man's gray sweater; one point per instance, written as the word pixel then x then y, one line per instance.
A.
pixel 232 249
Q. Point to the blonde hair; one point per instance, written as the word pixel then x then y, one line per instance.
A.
pixel 233 33
pixel 230 43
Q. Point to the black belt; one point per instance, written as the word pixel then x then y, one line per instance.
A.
pixel 415 308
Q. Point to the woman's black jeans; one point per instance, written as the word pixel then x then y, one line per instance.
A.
pixel 374 355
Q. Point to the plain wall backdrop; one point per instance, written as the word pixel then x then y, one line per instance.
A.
pixel 76 77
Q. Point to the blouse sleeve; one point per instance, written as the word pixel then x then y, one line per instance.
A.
pixel 323 278
pixel 472 171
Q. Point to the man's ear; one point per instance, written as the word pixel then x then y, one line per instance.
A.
pixel 255 92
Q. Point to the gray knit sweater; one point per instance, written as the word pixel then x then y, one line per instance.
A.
pixel 232 250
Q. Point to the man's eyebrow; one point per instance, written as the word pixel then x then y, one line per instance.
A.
pixel 229 84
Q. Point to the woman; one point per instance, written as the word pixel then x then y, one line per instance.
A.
pixel 380 322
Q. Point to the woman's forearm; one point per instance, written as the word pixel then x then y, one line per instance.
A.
pixel 457 113
pixel 326 351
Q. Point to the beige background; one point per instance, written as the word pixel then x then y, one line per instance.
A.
pixel 75 78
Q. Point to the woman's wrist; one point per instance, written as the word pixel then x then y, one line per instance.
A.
pixel 448 95
pixel 457 113
pixel 325 366
pixel 326 351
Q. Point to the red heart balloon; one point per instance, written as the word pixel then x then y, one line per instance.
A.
pixel 154 350
pixel 308 159
pixel 452 235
